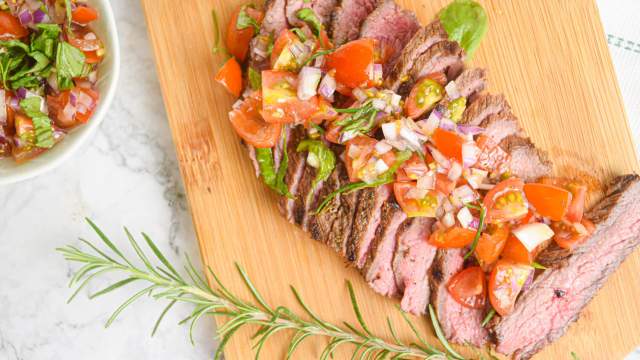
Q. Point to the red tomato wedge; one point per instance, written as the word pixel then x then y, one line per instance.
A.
pixel 414 168
pixel 65 114
pixel 364 147
pixel 424 207
pixel 10 27
pixel 579 194
pixel 250 126
pixel 469 288
pixel 280 102
pixel 424 96
pixel 505 283
pixel 505 202
pixel 448 143
pixel 569 236
pixel 452 238
pixel 351 62
pixel 237 40
pixel 491 244
pixel 515 251
pixel 285 38
pixel 444 184
pixel 230 76
pixel 548 200
pixel 84 15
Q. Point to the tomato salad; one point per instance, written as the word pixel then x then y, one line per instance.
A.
pixel 414 144
pixel 49 58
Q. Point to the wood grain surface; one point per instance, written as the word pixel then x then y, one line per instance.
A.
pixel 548 56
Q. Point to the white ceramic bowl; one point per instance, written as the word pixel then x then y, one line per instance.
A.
pixel 108 73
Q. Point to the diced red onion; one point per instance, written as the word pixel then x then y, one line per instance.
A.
pixel 465 194
pixel 417 193
pixel 308 81
pixel 238 104
pixel 22 93
pixel 464 217
pixel 486 186
pixel 390 131
pixel 69 112
pixel 379 104
pixel 410 137
pixel 52 80
pixel 529 281
pixel 447 124
pixel 470 153
pixel 3 107
pixel 93 77
pixel 448 220
pixel 320 60
pixel 427 182
pixel 439 158
pixel 475 177
pixel 470 129
pixel 25 17
pixel 360 94
pixel 452 90
pixel 375 73
pixel 39 16
pixel 455 171
pixel 532 235
pixel 382 147
pixel 14 103
pixel 474 223
pixel 381 166
pixel 73 99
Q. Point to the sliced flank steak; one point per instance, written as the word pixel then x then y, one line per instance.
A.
pixel 425 38
pixel 411 263
pixel 471 81
pixel 348 18
pixel 501 125
pixel 559 294
pixel 295 168
pixel 484 106
pixel 321 8
pixel 525 160
pixel 393 27
pixel 460 324
pixel 366 221
pixel 444 57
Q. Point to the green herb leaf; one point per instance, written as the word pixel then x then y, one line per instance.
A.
pixel 476 239
pixel 255 78
pixel 245 21
pixel 69 64
pixel 67 6
pixel 326 158
pixel 440 334
pixel 490 315
pixel 300 34
pixel 538 266
pixel 317 55
pixel 361 121
pixel 47 40
pixel 274 178
pixel 41 122
pixel 386 178
pixel 309 16
pixel 574 356
pixel 466 22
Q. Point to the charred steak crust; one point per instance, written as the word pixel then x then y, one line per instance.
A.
pixel 558 295
pixel 526 161
pixel 348 18
pixel 501 125
pixel 366 221
pixel 471 81
pixel 393 27
pixel 483 107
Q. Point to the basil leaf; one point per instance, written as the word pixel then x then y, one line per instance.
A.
pixel 46 41
pixel 466 22
pixel 300 34
pixel 255 78
pixel 274 178
pixel 41 122
pixel 326 158
pixel 69 63
pixel 309 16
pixel 245 21
pixel 67 6
pixel 386 178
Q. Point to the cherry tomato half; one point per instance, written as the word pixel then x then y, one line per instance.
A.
pixel 10 27
pixel 230 76
pixel 424 96
pixel 280 99
pixel 84 15
pixel 452 238
pixel 424 207
pixel 238 40
pixel 469 288
pixel 351 62
pixel 571 235
pixel 448 143
pixel 250 126
pixel 505 283
pixel 548 200
pixel 505 202
pixel 491 244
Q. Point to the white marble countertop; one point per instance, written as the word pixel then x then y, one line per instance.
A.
pixel 126 175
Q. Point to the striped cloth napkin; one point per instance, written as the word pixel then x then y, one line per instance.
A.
pixel 620 20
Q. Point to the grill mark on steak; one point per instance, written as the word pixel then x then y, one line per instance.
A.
pixel 525 160
pixel 540 316
pixel 378 269
pixel 295 168
pixel 425 38
pixel 321 8
pixel 411 264
pixel 366 221
pixel 460 324
pixel 348 18
pixel 499 126
pixel 483 107
pixel 393 27
pixel 443 57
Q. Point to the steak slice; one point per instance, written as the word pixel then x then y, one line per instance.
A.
pixel 558 295
pixel 378 269
pixel 275 20
pixel 471 81
pixel 348 18
pixel 322 9
pixel 366 221
pixel 441 57
pixel 295 168
pixel 411 264
pixel 483 107
pixel 307 196
pixel 460 324
pixel 525 160
pixel 501 125
pixel 393 27
pixel 420 42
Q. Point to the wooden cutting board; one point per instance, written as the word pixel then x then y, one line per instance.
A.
pixel 548 56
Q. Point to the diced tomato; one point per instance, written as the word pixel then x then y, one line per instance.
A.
pixel 412 169
pixel 351 62
pixel 73 107
pixel 452 238
pixel 364 147
pixel 515 251
pixel 332 133
pixel 505 202
pixel 250 126
pixel 505 283
pixel 92 57
pixel 491 244
pixel 324 42
pixel 424 207
pixel 84 15
pixel 282 58
pixel 280 100
pixel 424 96
pixel 10 27
pixel 325 112
pixel 548 200
pixel 85 39
pixel 230 76
pixel 238 40
pixel 579 194
pixel 448 143
pixel 469 288
pixel 569 236
pixel 444 185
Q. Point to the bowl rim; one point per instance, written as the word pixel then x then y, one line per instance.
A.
pixel 89 129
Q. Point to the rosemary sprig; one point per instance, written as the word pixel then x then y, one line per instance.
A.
pixel 166 284
pixel 488 318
